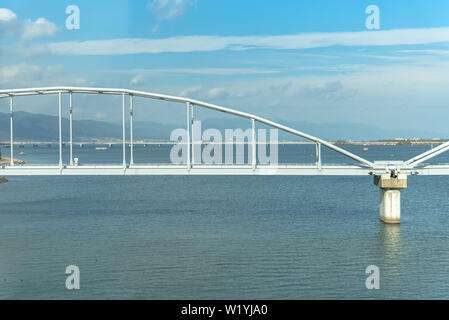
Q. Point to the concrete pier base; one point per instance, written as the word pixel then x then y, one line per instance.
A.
pixel 390 205
pixel 390 196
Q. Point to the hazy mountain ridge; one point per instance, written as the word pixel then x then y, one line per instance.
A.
pixel 39 127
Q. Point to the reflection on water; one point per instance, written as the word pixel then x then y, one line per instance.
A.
pixel 390 239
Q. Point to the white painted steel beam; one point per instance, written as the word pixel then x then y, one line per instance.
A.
pixel 429 152
pixel 253 144
pixel 183 170
pixel 429 156
pixel 123 131
pixel 318 155
pixel 188 135
pixel 192 133
pixel 131 111
pixel 54 90
pixel 60 130
pixel 11 124
pixel 167 169
pixel 71 128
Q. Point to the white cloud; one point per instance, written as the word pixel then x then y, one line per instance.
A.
pixel 217 93
pixel 7 15
pixel 416 93
pixel 333 90
pixel 279 42
pixel 209 71
pixel 190 92
pixel 14 73
pixel 206 94
pixel 138 79
pixel 25 75
pixel 427 51
pixel 29 30
pixel 169 9
pixel 39 28
pixel 8 22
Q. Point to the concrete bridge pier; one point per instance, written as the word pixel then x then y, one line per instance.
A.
pixel 390 196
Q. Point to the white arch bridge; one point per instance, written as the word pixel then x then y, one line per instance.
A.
pixel 389 175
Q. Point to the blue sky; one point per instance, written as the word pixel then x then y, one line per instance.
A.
pixel 309 61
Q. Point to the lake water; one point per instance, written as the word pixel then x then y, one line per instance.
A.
pixel 220 237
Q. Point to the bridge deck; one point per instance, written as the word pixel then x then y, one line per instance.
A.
pixel 330 170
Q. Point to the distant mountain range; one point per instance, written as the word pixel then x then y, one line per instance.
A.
pixel 39 127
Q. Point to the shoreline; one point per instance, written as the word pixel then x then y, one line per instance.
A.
pixel 379 142
pixel 8 161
